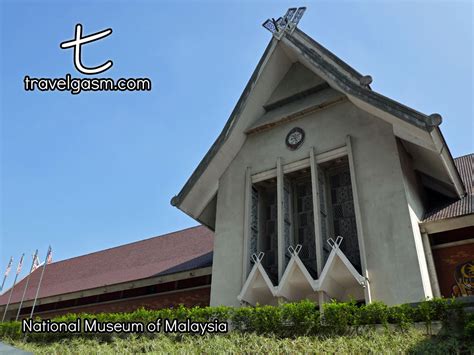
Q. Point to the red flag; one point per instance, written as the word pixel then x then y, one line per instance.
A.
pixel 49 258
pixel 9 266
pixel 20 264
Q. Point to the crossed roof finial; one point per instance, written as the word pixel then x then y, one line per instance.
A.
pixel 288 22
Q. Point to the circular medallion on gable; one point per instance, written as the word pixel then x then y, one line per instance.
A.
pixel 294 138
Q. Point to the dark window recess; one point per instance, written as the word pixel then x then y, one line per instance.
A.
pixel 109 296
pixel 264 225
pixel 301 209
pixel 121 295
pixel 135 292
pixel 341 209
pixel 67 303
pixel 86 300
pixel 194 282
pixel 454 235
pixel 435 200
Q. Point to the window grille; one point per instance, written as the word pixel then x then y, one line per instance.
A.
pixel 254 223
pixel 263 226
pixel 343 215
pixel 304 220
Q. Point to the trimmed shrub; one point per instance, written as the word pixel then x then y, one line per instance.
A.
pixel 339 318
pixel 469 327
pixel 300 319
pixel 285 321
pixel 374 313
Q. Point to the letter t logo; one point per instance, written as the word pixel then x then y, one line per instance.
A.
pixel 78 41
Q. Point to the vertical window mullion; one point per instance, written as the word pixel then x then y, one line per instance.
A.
pixel 280 219
pixel 287 218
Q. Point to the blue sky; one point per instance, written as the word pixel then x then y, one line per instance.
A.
pixel 91 171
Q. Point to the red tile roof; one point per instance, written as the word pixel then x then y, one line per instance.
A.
pixel 465 205
pixel 179 251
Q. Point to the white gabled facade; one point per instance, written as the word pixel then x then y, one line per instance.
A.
pixel 274 206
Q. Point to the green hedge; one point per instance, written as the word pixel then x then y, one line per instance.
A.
pixel 469 327
pixel 286 320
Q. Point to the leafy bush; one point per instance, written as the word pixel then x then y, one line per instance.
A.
pixel 339 318
pixel 469 327
pixel 403 315
pixel 374 313
pixel 284 321
pixel 301 318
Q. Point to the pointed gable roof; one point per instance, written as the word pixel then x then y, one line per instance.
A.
pixel 263 89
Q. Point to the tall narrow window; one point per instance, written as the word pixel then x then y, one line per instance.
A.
pixel 337 217
pixel 340 205
pixel 254 222
pixel 301 214
pixel 323 209
pixel 263 225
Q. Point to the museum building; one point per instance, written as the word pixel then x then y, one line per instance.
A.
pixel 320 188
pixel 317 188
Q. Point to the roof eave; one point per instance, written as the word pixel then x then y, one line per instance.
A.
pixel 349 85
pixel 342 77
pixel 448 161
pixel 179 198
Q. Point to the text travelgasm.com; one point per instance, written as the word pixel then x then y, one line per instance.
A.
pixel 77 85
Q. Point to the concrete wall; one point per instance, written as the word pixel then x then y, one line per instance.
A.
pixel 416 206
pixel 412 185
pixel 392 259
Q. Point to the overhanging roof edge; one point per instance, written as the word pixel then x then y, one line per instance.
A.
pixel 350 70
pixel 178 199
pixel 350 88
pixel 334 67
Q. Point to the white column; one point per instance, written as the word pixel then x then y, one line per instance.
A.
pixel 360 230
pixel 246 236
pixel 316 211
pixel 280 219
pixel 430 263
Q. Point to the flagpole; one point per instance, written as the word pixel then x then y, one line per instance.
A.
pixel 26 285
pixel 39 284
pixel 3 282
pixel 6 273
pixel 11 290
